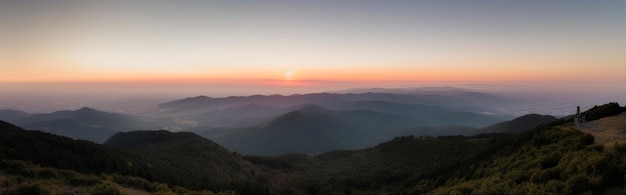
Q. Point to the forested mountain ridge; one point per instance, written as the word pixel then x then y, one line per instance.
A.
pixel 188 160
pixel 552 158
pixel 353 120
pixel 313 129
pixel 62 152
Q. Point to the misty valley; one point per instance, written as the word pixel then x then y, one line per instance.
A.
pixel 276 124
pixel 362 141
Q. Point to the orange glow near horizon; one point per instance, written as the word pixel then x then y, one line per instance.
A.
pixel 350 74
pixel 461 68
pixel 300 42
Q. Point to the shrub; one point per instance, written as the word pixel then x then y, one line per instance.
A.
pixel 106 189
pixel 31 189
pixel 78 179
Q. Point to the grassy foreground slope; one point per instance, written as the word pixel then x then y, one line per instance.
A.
pixel 552 159
pixel 607 131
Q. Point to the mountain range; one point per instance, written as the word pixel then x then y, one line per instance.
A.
pixel 248 110
pixel 276 124
pixel 314 129
pixel 549 158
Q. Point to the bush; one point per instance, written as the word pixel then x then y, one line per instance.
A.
pixel 18 168
pixel 78 179
pixel 31 189
pixel 47 173
pixel 106 189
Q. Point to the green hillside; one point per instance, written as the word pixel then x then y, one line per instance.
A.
pixel 550 159
pixel 554 158
pixel 181 159
pixel 189 160
pixel 55 151
pixel 388 167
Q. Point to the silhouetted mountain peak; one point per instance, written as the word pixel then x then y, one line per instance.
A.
pixel 190 101
pixel 12 116
pixel 201 97
pixel 521 123
pixel 13 110
pixel 86 109
pixel 532 117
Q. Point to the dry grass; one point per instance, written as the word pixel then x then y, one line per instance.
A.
pixel 607 131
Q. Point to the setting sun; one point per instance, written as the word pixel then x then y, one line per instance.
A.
pixel 288 75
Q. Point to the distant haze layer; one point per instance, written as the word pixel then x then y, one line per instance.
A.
pixel 555 98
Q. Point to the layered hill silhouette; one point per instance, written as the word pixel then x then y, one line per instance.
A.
pixel 551 158
pixel 314 129
pixel 309 130
pixel 188 160
pixel 181 159
pixel 12 116
pixel 353 120
pixel 445 107
pixel 320 122
pixel 85 123
pixel 61 152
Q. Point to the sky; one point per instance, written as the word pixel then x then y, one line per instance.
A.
pixel 239 47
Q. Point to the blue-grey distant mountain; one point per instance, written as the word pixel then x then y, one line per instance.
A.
pixel 304 131
pixel 314 129
pixel 319 122
pixel 440 106
pixel 427 115
pixel 12 116
pixel 85 123
pixel 238 116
